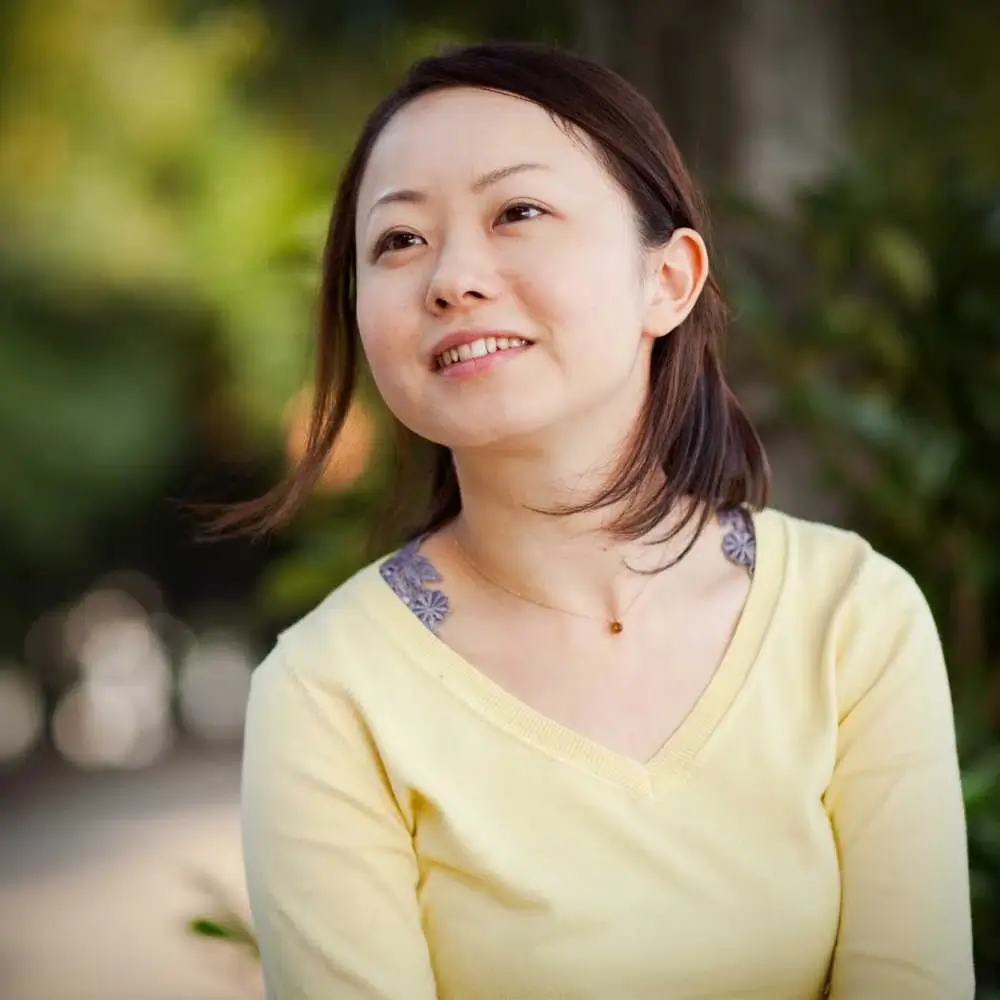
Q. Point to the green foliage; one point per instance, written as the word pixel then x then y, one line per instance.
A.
pixel 132 164
pixel 927 73
pixel 153 303
pixel 222 920
pixel 981 785
pixel 229 928
pixel 87 413
pixel 367 23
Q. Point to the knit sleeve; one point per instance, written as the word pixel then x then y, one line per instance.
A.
pixel 330 866
pixel 895 802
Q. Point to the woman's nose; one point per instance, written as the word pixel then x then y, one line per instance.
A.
pixel 465 275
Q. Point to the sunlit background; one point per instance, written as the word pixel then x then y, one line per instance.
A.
pixel 166 167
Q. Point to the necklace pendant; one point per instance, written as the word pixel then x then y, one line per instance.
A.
pixel 615 627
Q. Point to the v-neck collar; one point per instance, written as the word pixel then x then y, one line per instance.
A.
pixel 505 710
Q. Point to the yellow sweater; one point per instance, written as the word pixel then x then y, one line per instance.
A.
pixel 412 831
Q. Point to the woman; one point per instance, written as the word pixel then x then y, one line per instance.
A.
pixel 606 727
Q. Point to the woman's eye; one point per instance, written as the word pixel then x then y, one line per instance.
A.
pixel 521 211
pixel 399 240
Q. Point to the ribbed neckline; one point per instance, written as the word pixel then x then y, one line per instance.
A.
pixel 552 738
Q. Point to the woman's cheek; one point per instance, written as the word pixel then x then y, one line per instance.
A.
pixel 387 351
pixel 377 315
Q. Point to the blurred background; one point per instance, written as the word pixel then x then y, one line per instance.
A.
pixel 166 169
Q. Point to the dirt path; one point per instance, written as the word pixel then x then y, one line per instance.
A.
pixel 100 872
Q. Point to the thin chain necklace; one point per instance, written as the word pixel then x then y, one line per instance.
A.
pixel 615 625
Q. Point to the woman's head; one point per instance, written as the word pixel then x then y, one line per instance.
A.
pixel 484 222
pixel 527 203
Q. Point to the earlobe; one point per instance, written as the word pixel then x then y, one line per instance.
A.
pixel 679 273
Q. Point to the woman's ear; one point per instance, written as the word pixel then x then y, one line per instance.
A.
pixel 678 272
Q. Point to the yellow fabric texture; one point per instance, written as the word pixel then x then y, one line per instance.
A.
pixel 414 832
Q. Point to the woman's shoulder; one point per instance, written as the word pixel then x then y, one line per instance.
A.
pixel 835 562
pixel 840 594
pixel 344 629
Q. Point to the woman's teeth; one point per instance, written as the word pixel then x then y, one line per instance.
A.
pixel 477 349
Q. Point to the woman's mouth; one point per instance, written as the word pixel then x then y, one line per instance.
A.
pixel 475 349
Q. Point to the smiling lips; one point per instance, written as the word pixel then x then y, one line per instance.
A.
pixel 477 349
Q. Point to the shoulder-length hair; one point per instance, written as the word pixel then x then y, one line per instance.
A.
pixel 693 435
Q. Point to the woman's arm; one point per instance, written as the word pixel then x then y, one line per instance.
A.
pixel 329 860
pixel 895 802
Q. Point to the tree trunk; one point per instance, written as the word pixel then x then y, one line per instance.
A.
pixel 753 92
pixel 677 52
pixel 791 72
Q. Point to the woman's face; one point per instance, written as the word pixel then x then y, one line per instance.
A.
pixel 501 286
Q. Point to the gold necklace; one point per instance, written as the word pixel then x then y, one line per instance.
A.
pixel 615 625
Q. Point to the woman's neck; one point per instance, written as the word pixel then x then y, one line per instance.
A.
pixel 573 561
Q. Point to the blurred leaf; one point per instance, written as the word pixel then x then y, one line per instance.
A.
pixel 225 929
pixel 898 256
pixel 981 783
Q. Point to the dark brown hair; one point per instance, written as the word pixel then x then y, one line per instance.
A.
pixel 692 428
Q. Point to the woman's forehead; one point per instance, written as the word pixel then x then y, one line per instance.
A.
pixel 462 134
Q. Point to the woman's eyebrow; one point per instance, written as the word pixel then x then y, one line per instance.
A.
pixel 480 184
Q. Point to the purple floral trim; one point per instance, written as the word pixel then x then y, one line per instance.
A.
pixel 739 544
pixel 408 573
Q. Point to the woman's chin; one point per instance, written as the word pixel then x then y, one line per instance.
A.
pixel 492 436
